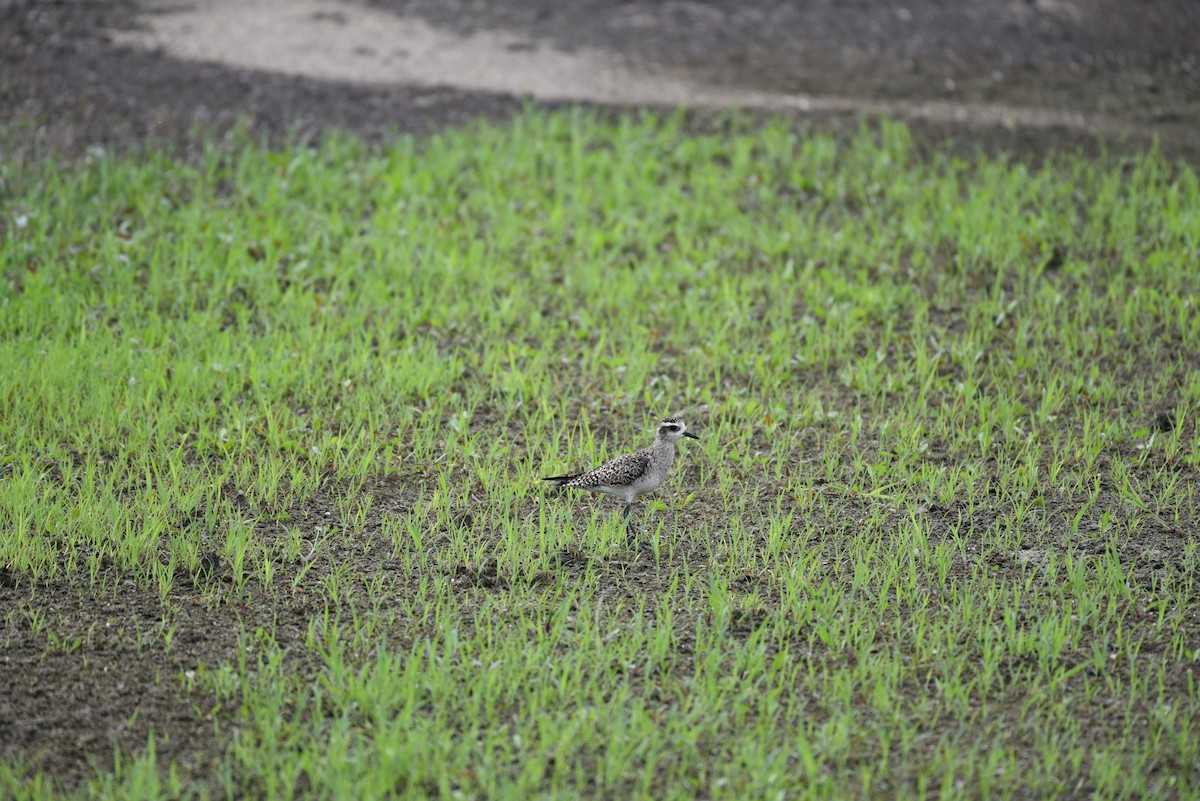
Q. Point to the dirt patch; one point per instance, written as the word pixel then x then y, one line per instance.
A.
pixel 87 670
pixel 1026 76
pixel 332 40
pixel 68 88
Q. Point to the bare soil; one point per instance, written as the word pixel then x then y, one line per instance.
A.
pixel 1029 76
pixel 75 681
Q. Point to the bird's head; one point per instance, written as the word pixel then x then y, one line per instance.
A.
pixel 673 429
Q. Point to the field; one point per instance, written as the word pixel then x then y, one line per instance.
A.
pixel 272 423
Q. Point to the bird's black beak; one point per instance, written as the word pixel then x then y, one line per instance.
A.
pixel 690 434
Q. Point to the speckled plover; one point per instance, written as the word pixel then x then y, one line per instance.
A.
pixel 630 476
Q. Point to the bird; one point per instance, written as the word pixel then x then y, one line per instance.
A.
pixel 630 476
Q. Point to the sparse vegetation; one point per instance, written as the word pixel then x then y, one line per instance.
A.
pixel 271 423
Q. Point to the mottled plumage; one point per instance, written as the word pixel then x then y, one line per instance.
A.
pixel 630 476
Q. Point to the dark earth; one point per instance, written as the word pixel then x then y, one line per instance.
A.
pixel 1136 64
pixel 74 681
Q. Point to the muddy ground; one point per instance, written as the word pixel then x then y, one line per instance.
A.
pixel 1071 68
pixel 78 684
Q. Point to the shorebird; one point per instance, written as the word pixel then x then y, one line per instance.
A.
pixel 630 476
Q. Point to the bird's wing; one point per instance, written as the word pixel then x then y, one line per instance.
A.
pixel 622 470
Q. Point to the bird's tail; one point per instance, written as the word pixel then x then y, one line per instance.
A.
pixel 558 481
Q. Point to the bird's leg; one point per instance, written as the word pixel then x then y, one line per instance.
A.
pixel 643 545
pixel 631 532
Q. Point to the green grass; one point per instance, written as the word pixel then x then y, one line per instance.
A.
pixel 938 539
